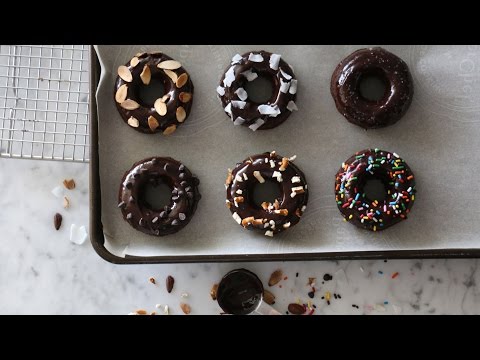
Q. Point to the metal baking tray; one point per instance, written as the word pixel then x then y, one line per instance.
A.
pixel 455 133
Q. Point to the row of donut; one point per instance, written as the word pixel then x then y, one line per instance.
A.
pixel 172 108
pixel 285 211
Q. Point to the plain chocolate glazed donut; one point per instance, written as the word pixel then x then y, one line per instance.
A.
pixel 371 114
pixel 168 111
pixel 183 202
pixel 235 99
pixel 271 219
pixel 372 214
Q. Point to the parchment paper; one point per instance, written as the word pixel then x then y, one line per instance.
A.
pixel 439 138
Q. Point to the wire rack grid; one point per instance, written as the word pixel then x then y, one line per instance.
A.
pixel 44 94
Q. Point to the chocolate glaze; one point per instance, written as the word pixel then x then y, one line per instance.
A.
pixel 292 208
pixel 283 97
pixel 396 176
pixel 183 203
pixel 367 113
pixel 145 111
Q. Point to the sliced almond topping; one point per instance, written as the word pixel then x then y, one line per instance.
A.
pixel 133 122
pixel 247 220
pixel 160 107
pixel 139 54
pixel 165 98
pixel 185 97
pixel 130 105
pixel 229 177
pixel 134 62
pixel 172 75
pixel 121 94
pixel 265 205
pixel 239 199
pixel 170 130
pixel 182 80
pixel 283 212
pixel 181 114
pixel 284 165
pixel 169 65
pixel 125 74
pixel 146 75
pixel 153 123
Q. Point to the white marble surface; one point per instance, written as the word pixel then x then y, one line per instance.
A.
pixel 41 272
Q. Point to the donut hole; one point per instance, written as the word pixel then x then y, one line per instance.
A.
pixel 156 193
pixel 268 192
pixel 148 94
pixel 375 188
pixel 260 90
pixel 373 86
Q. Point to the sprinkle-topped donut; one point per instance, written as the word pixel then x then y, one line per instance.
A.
pixel 235 99
pixel 144 217
pixel 383 65
pixel 372 214
pixel 169 110
pixel 270 218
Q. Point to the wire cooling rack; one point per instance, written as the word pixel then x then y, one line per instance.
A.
pixel 44 94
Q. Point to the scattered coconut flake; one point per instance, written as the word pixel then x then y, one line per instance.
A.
pixel 285 75
pixel 259 177
pixel 228 109
pixel 250 75
pixel 242 94
pixel 292 106
pixel 257 124
pixel 272 164
pixel 239 192
pixel 58 192
pixel 284 86
pixel 274 61
pixel 239 121
pixel 236 59
pixel 269 233
pixel 237 218
pixel 238 178
pixel 255 57
pixel 229 77
pixel 278 175
pixel 245 176
pixel 220 91
pixel 239 104
pixel 269 110
pixel 296 179
pixel 293 86
pixel 78 235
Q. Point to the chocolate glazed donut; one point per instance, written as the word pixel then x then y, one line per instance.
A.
pixel 183 202
pixel 372 214
pixel 234 97
pixel 375 62
pixel 271 219
pixel 168 111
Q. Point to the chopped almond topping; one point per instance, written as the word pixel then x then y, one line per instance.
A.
pixel 283 212
pixel 247 220
pixel 284 165
pixel 265 205
pixel 239 199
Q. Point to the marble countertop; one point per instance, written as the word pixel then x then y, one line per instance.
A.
pixel 42 272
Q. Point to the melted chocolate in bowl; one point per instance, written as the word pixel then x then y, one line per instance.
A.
pixel 240 292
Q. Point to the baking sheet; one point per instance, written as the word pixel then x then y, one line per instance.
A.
pixel 438 137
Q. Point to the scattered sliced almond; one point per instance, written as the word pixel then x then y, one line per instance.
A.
pixel 181 114
pixel 69 184
pixel 185 97
pixel 125 74
pixel 130 105
pixel 153 123
pixel 165 98
pixel 170 130
pixel 169 65
pixel 268 297
pixel 121 94
pixel 133 122
pixel 213 292
pixel 160 107
pixel 185 308
pixel 134 62
pixel 66 202
pixel 182 80
pixel 172 75
pixel 141 312
pixel 275 278
pixel 146 75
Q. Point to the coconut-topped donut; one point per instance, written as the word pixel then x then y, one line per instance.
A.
pixel 269 218
pixel 236 102
pixel 170 109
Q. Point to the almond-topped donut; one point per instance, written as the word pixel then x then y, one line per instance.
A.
pixel 170 109
pixel 269 218
pixel 236 102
